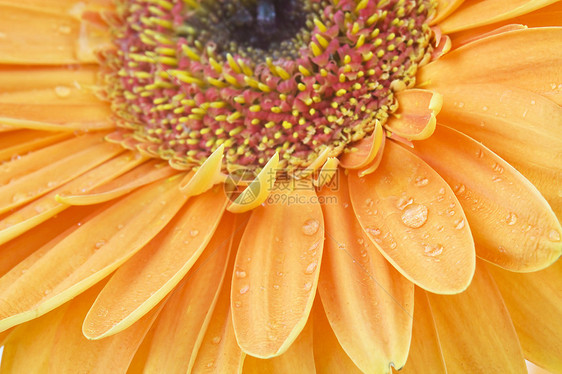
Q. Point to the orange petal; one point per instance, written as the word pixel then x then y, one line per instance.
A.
pixel 90 253
pixel 33 339
pixel 20 142
pixel 73 353
pixel 357 283
pixel 14 78
pixel 47 206
pixel 141 355
pixel 178 334
pixel 415 117
pixel 51 40
pixel 142 175
pixel 299 358
pixel 276 272
pixel 328 354
pixel 205 177
pixel 474 14
pixel 412 216
pixel 58 172
pixel 143 281
pixel 364 151
pixel 475 329
pixel 259 189
pixel 472 37
pixel 444 9
pixel 522 58
pixel 425 352
pixel 16 250
pixel 218 351
pixel 513 226
pixel 534 301
pixel 523 128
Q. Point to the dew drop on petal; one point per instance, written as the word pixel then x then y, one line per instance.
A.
pixel 311 267
pixel 307 286
pixel 194 233
pixel 415 216
pixel 511 219
pixel 554 236
pixel 403 202
pixel 216 340
pixel 244 289
pixel 240 273
pixel 421 181
pixel 432 251
pixel 62 91
pixel 310 227
pixel 459 189
pixel 459 224
pixel 276 286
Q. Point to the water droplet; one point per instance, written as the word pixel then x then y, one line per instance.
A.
pixel 100 244
pixel 403 202
pixel 369 203
pixel 511 219
pixel 210 364
pixel 311 267
pixel 484 108
pixel 194 233
pixel 415 216
pixel 64 29
pixel 459 224
pixel 216 340
pixel 18 196
pixel 533 102
pixel 62 91
pixel 432 251
pixel 276 286
pixel 346 205
pixel 237 304
pixel 310 227
pixel 120 226
pixel 372 231
pixel 421 181
pixel 459 189
pixel 240 273
pixel 554 236
pixel 244 289
pixel 461 104
pixel 48 291
pixel 501 249
pixel 307 286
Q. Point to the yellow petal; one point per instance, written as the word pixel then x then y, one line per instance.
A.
pixel 51 40
pixel 142 175
pixel 523 59
pixel 47 206
pixel 58 172
pixel 475 329
pixel 205 177
pixel 20 142
pixel 32 339
pixel 219 351
pixel 87 255
pixel 276 273
pixel 328 354
pixel 258 190
pixel 444 9
pixel 299 358
pixel 178 334
pixel 513 226
pixel 534 301
pixel 415 117
pixel 73 353
pixel 143 281
pixel 425 352
pixel 357 284
pixel 364 151
pixel 474 14
pixel 523 128
pixel 410 214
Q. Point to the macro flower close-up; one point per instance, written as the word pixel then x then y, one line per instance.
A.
pixel 280 186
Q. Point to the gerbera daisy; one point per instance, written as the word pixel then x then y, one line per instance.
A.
pixel 280 186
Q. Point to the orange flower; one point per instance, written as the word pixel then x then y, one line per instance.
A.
pixel 422 200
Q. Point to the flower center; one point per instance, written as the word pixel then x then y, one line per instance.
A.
pixel 260 76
